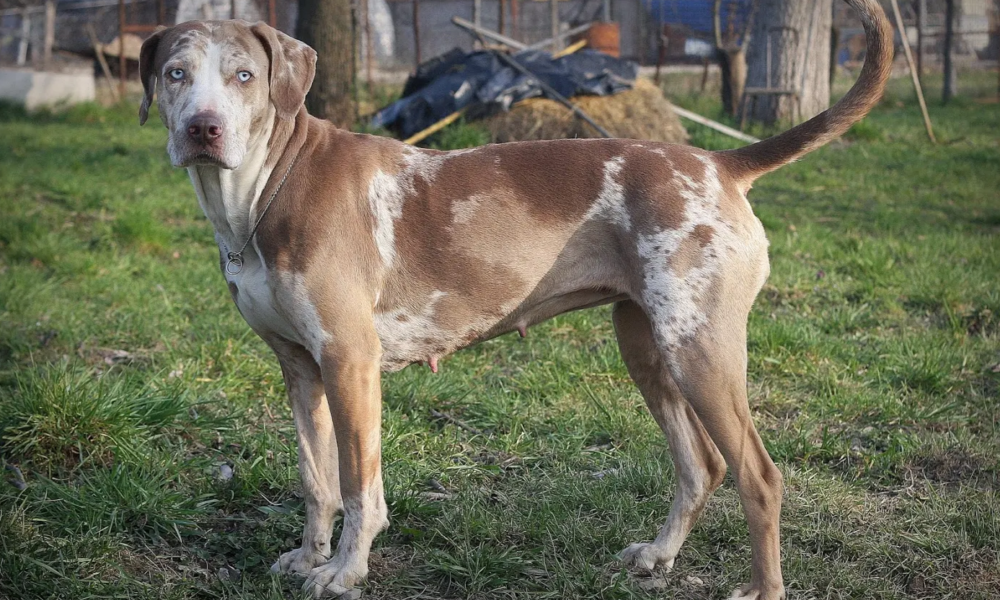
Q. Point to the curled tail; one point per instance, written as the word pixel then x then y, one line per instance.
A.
pixel 750 162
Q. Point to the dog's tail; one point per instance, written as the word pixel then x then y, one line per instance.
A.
pixel 750 162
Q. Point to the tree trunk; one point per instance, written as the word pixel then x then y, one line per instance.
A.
pixel 327 26
pixel 799 36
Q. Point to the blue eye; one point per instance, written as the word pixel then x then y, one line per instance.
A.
pixel 177 74
pixel 244 76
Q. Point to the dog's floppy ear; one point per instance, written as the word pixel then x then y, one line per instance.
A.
pixel 147 57
pixel 293 66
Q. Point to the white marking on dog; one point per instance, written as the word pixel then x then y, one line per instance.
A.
pixel 385 198
pixel 610 202
pixel 404 335
pixel 462 211
pixel 674 300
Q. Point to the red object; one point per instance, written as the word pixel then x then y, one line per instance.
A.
pixel 605 37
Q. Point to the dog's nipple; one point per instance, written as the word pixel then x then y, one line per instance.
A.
pixel 433 362
pixel 522 330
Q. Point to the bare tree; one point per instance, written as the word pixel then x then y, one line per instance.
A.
pixel 327 26
pixel 798 34
pixel 730 51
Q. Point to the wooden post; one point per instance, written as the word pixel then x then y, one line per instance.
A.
pixel 272 13
pixel 50 32
pixel 921 32
pixel 232 9
pixel 503 17
pixel 554 17
pixel 122 63
pixel 22 44
pixel 369 45
pixel 99 53
pixel 416 29
pixel 948 89
pixel 515 19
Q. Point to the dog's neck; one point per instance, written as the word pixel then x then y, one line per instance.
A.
pixel 230 197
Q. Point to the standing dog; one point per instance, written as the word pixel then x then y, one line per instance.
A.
pixel 352 254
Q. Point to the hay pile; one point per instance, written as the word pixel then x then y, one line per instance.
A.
pixel 641 113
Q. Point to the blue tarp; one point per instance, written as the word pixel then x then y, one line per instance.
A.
pixel 456 80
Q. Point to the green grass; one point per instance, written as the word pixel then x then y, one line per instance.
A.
pixel 129 386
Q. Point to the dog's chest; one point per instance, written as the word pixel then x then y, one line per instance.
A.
pixel 275 304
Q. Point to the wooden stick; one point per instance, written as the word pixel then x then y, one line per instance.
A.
pixel 913 71
pixel 442 416
pixel 570 49
pixel 103 62
pixel 715 125
pixel 421 135
pixel 561 36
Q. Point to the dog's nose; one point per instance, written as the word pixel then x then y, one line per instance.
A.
pixel 205 128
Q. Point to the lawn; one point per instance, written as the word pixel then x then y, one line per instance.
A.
pixel 150 453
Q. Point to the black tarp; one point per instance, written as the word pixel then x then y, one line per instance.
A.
pixel 456 80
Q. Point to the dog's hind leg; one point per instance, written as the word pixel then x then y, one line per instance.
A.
pixel 708 362
pixel 698 464
pixel 318 463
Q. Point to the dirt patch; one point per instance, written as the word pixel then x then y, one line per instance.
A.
pixel 952 467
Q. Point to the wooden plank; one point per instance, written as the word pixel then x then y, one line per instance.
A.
pixel 50 32
pixel 734 133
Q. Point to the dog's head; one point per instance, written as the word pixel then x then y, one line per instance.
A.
pixel 219 83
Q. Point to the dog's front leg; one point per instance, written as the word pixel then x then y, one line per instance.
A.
pixel 318 463
pixel 351 377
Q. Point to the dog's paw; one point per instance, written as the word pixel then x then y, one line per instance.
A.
pixel 299 562
pixel 751 592
pixel 336 579
pixel 647 556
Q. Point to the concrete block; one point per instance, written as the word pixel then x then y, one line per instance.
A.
pixel 36 89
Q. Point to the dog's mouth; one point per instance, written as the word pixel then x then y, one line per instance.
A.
pixel 208 159
pixel 204 158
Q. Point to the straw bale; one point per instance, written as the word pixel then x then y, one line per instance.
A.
pixel 641 113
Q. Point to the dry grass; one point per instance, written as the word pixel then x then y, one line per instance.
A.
pixel 641 113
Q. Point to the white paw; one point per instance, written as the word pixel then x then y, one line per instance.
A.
pixel 299 561
pixel 336 579
pixel 647 556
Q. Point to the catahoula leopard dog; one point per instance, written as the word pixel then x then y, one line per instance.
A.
pixel 354 254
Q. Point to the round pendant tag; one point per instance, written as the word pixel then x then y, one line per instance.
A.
pixel 235 264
